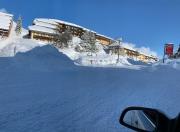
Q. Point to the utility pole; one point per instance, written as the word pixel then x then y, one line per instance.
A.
pixel 119 46
pixel 164 55
pixel 14 50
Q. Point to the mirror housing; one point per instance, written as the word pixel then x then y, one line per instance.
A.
pixel 143 119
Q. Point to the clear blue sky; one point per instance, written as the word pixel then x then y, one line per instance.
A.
pixel 143 22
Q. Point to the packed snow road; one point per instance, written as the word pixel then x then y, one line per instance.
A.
pixel 43 91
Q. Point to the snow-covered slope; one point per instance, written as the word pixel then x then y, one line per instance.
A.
pixel 42 90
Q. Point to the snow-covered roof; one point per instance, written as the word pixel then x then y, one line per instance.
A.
pixel 5 20
pixel 52 23
pixel 42 29
pixel 5 14
pixel 104 36
pixel 55 22
pixel 129 48
pixel 43 24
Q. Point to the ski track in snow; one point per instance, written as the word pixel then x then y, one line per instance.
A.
pixel 43 91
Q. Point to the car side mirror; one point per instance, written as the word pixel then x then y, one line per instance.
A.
pixel 144 119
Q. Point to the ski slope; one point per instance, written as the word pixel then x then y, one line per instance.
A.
pixel 41 90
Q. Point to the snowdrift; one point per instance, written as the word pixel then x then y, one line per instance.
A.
pixel 45 58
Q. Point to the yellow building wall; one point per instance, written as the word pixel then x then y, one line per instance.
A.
pixel 103 41
pixel 42 37
pixel 141 57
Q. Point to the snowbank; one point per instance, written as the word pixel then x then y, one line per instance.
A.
pixel 171 63
pixel 45 58
pixel 13 46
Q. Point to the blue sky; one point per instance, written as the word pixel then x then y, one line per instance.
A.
pixel 149 23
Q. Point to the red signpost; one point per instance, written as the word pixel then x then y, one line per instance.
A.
pixel 168 50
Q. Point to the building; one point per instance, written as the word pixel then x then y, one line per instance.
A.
pixel 116 48
pixel 45 29
pixel 6 23
pixel 146 58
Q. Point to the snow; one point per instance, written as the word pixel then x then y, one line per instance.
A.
pixel 103 61
pixel 41 29
pixel 55 22
pixel 48 25
pixel 45 24
pixel 172 63
pixel 99 59
pixel 17 43
pixel 5 14
pixel 51 23
pixel 5 20
pixel 104 36
pixel 42 90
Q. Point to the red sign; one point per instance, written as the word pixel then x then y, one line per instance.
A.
pixel 169 49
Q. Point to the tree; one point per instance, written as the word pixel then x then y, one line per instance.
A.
pixel 89 42
pixel 19 26
pixel 62 39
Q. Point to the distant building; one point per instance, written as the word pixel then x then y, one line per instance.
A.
pixel 115 48
pixel 6 23
pixel 45 29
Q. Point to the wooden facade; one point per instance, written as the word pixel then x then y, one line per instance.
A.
pixel 146 58
pixel 41 36
pixel 131 53
pixel 103 40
